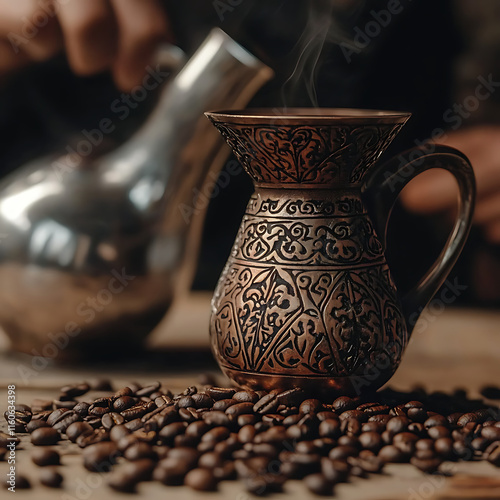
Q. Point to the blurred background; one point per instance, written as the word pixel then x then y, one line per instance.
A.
pixel 438 60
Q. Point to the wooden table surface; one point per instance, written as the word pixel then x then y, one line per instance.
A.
pixel 452 349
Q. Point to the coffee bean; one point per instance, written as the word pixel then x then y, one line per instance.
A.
pixel 240 409
pixel 111 419
pixel 336 471
pixel 467 418
pixel 491 433
pixel 374 410
pixel 197 429
pixel 123 403
pixel 117 432
pixel 45 456
pixel 73 391
pixel 436 420
pixel 444 448
pixel 168 433
pixel 216 434
pixel 318 484
pixel 186 402
pixel 45 436
pixel 51 478
pixel 371 464
pixel 100 457
pixel 397 425
pixel 217 393
pixel 88 439
pixel 377 427
pixel 398 411
pixel 344 403
pixel 210 460
pixel 310 406
pixel 138 451
pixel 326 415
pixel 188 415
pixel 370 441
pixel 202 400
pixel 216 418
pixel 350 426
pixel 438 431
pixel 493 454
pixel 428 466
pixel 358 415
pixel 329 428
pixel 148 390
pixel 479 444
pixel 41 405
pixel 391 454
pixel 138 410
pixel 417 414
pixel 35 424
pixel 246 397
pixel 171 472
pixel 267 404
pixel 382 419
pixel 134 425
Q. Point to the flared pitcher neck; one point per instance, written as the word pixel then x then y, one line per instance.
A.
pixel 334 149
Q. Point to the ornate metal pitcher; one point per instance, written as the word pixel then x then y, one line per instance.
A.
pixel 306 298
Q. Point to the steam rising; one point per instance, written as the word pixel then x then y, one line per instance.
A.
pixel 322 27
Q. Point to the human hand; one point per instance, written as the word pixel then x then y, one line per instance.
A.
pixel 119 35
pixel 436 190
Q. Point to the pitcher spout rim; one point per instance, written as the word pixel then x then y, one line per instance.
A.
pixel 309 115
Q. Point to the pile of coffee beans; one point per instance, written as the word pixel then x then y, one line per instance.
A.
pixel 209 434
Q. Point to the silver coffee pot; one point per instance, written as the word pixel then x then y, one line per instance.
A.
pixel 93 252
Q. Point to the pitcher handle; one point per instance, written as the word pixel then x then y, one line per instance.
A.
pixel 383 186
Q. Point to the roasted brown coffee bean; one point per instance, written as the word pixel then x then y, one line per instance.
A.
pixel 438 431
pixel 397 425
pixel 45 436
pixel 188 456
pixel 216 434
pixel 300 432
pixel 344 403
pixel 436 420
pixel 98 436
pixel 138 410
pixel 243 420
pixel 417 414
pixel 444 448
pixel 371 464
pixel 210 460
pixel 453 419
pixel 273 419
pixel 424 444
pixel 134 425
pixel 267 404
pixel 326 415
pixel 461 450
pixel 73 391
pixel 168 433
pixel 162 400
pixel 139 451
pixel 467 418
pixel 386 437
pixel 197 429
pixel 239 409
pixel 398 411
pixel 171 472
pixel 329 428
pixel 117 432
pixel 391 454
pixel 148 390
pixel 377 427
pixel 189 415
pixel 370 441
pixel 45 456
pixel 246 434
pixel 375 409
pixel 351 426
pixel 51 478
pixel 225 472
pixel 417 429
pixel 246 397
pixel 202 400
pixel 77 429
pixel 123 403
pixel 217 393
pixel 318 484
pixel 223 404
pixel 405 441
pixel 493 454
pixel 186 402
pixel 358 415
pixel 310 406
pixel 381 418
pixel 216 418
pixel 186 441
pixel 479 444
pixel 292 419
pixel 491 433
pixel 291 397
pixel 35 424
pixel 336 471
pixel 429 465
pixel 100 457
pixel 111 419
